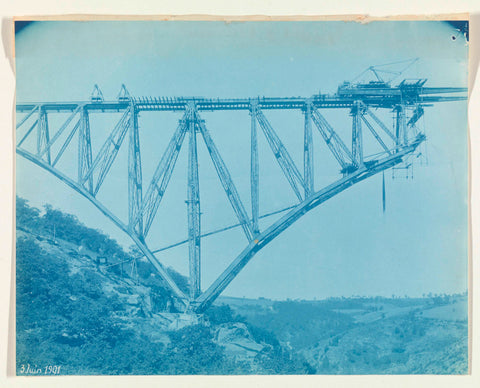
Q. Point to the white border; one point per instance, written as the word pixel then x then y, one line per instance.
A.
pixel 219 7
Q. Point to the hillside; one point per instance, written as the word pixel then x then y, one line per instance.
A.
pixel 84 305
pixel 370 335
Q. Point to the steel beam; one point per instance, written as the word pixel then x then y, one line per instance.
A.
pixel 281 154
pixel 401 126
pixel 67 141
pixel 108 152
pixel 387 97
pixel 254 169
pixel 357 136
pixel 162 175
pixel 43 135
pixel 380 123
pixel 134 176
pixel 334 143
pixel 29 131
pixel 225 179
pixel 27 116
pixel 85 152
pixel 60 131
pixel 193 203
pixel 308 151
pixel 376 135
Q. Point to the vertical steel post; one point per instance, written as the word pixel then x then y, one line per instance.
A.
pixel 41 113
pixel 357 138
pixel 254 169
pixel 401 126
pixel 134 175
pixel 85 150
pixel 193 203
pixel 43 135
pixel 308 151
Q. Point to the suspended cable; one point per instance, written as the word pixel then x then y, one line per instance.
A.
pixel 220 230
pixel 383 190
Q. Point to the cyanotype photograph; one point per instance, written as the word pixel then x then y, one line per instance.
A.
pixel 235 197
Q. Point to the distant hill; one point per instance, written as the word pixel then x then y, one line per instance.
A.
pixel 84 305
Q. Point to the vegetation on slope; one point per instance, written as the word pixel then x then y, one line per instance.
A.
pixel 66 319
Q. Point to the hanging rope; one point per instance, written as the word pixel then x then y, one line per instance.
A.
pixel 383 190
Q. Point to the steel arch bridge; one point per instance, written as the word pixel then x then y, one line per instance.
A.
pixel 407 101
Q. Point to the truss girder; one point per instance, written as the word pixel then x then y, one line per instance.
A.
pixel 386 98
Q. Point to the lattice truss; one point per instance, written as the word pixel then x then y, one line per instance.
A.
pixel 45 146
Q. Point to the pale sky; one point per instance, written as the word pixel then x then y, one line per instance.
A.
pixel 347 246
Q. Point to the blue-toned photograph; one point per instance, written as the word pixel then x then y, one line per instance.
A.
pixel 241 197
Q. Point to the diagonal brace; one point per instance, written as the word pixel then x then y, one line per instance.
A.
pixel 60 131
pixel 226 180
pixel 162 175
pixel 29 114
pixel 336 146
pixel 380 123
pixel 281 154
pixel 109 151
pixel 376 135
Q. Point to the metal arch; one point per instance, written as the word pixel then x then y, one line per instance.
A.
pixel 198 301
pixel 354 167
pixel 207 297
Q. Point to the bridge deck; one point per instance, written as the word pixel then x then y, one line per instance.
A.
pixel 387 98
